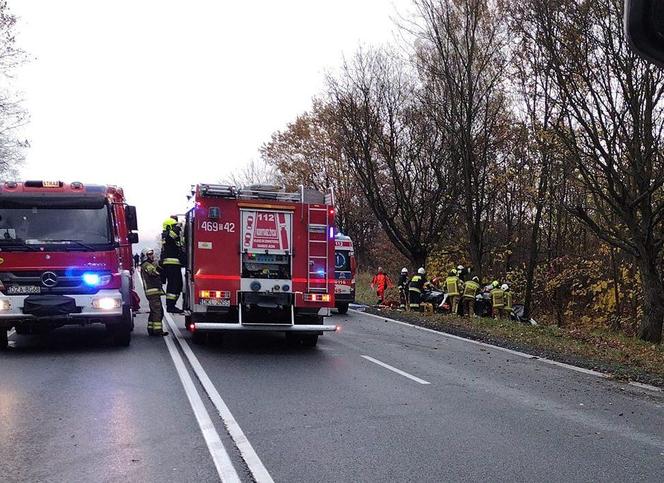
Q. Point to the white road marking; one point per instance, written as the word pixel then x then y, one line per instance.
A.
pixel 222 461
pixel 254 463
pixel 582 370
pixel 394 369
pixel 220 457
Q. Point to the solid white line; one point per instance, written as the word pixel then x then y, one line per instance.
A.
pixel 254 463
pixel 394 369
pixel 484 344
pixel 220 457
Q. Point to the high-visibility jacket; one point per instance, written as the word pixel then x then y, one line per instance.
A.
pixel 497 298
pixel 150 273
pixel 381 281
pixel 417 283
pixel 171 247
pixel 452 285
pixel 470 289
pixel 508 300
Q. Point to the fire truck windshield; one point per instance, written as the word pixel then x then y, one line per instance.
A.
pixel 60 228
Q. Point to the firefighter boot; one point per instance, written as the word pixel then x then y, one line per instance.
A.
pixel 171 308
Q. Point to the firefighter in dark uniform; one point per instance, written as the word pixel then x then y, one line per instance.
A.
pixel 151 275
pixel 415 289
pixel 172 256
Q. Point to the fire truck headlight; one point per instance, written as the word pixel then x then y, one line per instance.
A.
pixel 5 305
pixel 285 288
pixel 255 286
pixel 107 303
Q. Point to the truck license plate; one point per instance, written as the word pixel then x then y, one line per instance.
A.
pixel 216 302
pixel 23 289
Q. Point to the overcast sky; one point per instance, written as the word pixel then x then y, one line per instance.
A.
pixel 155 95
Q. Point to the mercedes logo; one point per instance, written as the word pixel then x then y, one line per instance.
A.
pixel 49 279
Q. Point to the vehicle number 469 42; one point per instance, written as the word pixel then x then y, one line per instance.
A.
pixel 217 226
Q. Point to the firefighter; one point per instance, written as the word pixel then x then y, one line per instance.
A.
pixel 137 260
pixel 404 281
pixel 415 288
pixel 150 273
pixel 497 299
pixel 453 289
pixel 470 290
pixel 172 256
pixel 380 283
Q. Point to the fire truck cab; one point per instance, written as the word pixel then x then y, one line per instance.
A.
pixel 259 259
pixel 345 268
pixel 65 258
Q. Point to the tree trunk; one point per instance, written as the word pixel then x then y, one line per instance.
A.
pixel 475 240
pixel 653 300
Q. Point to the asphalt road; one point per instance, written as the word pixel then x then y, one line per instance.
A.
pixel 376 401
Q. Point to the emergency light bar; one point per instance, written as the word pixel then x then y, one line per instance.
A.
pixel 219 190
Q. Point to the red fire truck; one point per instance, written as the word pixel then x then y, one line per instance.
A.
pixel 344 272
pixel 259 259
pixel 65 257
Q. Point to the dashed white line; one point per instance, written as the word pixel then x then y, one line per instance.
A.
pixel 220 457
pixel 394 369
pixel 570 367
pixel 254 463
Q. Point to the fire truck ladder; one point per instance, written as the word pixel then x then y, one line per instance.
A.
pixel 318 220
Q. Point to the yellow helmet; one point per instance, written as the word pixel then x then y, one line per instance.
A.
pixel 168 222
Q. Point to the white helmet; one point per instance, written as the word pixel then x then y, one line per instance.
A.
pixel 460 267
pixel 504 287
pixel 421 271
pixel 145 252
pixel 404 270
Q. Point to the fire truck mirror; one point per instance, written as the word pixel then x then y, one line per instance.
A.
pixel 214 213
pixel 133 238
pixel 132 220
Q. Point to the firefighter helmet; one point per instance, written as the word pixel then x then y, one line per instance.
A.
pixel 421 271
pixel 504 287
pixel 169 222
pixel 460 268
pixel 404 270
pixel 495 284
pixel 476 279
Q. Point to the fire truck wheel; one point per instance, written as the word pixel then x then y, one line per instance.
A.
pixel 199 338
pixel 342 308
pixel 309 340
pixel 122 336
pixel 3 339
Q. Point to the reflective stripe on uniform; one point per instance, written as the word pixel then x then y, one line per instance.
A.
pixel 172 296
pixel 153 291
pixel 414 289
pixel 170 261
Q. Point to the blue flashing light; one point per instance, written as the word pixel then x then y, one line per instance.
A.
pixel 92 279
pixel 321 272
pixel 331 232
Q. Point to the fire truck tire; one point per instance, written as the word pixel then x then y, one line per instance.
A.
pixel 309 340
pixel 4 341
pixel 342 308
pixel 199 338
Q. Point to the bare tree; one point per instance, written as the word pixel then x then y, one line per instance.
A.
pixel 462 59
pixel 256 171
pixel 12 114
pixel 395 150
pixel 613 131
